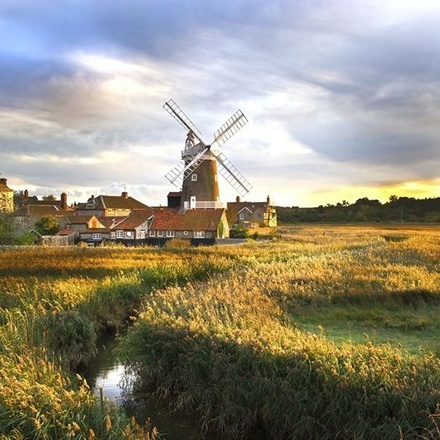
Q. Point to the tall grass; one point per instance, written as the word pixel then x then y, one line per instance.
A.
pixel 242 335
pixel 233 348
pixel 54 303
pixel 39 400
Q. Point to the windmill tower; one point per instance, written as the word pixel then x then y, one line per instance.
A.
pixel 198 170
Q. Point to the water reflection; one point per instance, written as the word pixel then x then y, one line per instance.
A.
pixel 107 374
pixel 109 381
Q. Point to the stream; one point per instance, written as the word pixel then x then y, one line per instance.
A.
pixel 106 373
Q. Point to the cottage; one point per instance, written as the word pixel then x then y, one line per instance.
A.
pixel 79 227
pixel 25 217
pixel 6 197
pixel 252 214
pixel 134 228
pixel 110 206
pixel 198 225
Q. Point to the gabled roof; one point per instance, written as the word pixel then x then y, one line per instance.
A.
pixel 111 222
pixel 41 211
pixel 137 218
pixel 244 209
pixel 79 219
pixel 235 207
pixel 191 220
pixel 112 202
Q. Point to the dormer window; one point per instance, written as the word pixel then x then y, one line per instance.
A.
pixel 91 203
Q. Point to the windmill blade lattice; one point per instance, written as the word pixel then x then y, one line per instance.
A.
pixel 232 175
pixel 230 127
pixel 179 115
pixel 181 168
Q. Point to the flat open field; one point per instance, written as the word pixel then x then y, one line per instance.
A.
pixel 317 332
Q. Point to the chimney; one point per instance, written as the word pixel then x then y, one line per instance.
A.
pixel 63 204
pixel 3 181
pixel 268 201
pixel 125 195
pixel 237 199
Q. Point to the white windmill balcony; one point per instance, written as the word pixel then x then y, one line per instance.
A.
pixel 204 205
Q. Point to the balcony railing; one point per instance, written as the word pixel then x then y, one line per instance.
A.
pixel 205 205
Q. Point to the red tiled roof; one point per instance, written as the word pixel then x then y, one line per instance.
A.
pixel 66 231
pixel 134 220
pixel 191 220
pixel 111 222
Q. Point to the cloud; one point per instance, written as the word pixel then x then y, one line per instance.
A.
pixel 337 93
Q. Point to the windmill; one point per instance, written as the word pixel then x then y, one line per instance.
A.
pixel 200 161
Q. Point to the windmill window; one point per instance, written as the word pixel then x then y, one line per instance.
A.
pixel 194 177
pixel 170 233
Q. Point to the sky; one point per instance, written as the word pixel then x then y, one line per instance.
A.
pixel 342 96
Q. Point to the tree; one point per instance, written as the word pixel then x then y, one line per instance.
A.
pixel 47 226
pixel 25 239
pixel 49 198
pixel 6 229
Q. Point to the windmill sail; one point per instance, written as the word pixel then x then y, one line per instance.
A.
pixel 203 185
pixel 178 114
pixel 232 175
pixel 230 127
pixel 185 168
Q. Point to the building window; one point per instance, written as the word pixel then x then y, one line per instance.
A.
pixel 96 236
pixel 160 233
pixel 241 216
pixel 128 233
pixel 170 233
pixel 119 234
pixel 194 177
pixel 142 234
pixel 151 233
pixel 199 234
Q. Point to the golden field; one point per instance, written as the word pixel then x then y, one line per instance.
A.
pixel 315 332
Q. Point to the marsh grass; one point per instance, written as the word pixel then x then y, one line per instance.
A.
pixel 54 304
pixel 318 333
pixel 250 351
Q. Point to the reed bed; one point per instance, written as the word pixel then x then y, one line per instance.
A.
pixel 292 337
pixel 236 348
pixel 53 305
